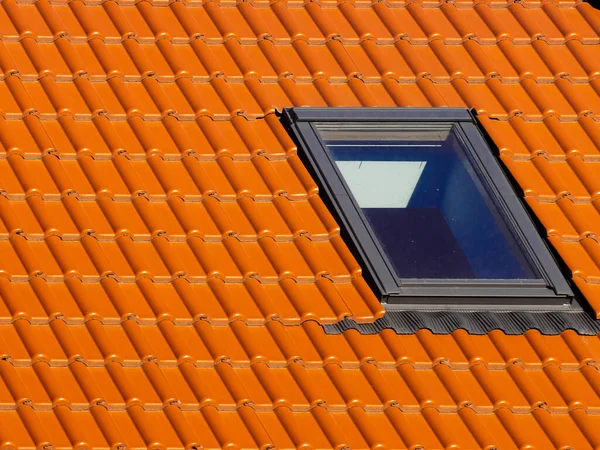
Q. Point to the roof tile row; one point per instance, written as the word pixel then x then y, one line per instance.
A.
pixel 332 66
pixel 62 99
pixel 169 344
pixel 313 23
pixel 211 428
pixel 360 4
pixel 266 389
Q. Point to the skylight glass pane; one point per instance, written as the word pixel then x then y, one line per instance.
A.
pixel 424 201
pixel 369 181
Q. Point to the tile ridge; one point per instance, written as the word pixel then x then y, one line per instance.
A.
pixel 149 407
pixel 536 118
pixel 35 237
pixel 326 4
pixel 233 364
pixel 168 279
pixel 282 41
pixel 163 198
pixel 301 80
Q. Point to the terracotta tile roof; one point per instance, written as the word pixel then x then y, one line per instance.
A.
pixel 167 261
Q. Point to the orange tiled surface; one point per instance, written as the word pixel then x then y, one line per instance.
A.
pixel 164 251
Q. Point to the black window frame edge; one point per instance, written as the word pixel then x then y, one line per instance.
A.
pixel 553 292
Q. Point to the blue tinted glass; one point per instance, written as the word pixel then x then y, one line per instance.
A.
pixel 425 203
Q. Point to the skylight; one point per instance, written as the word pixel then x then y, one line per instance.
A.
pixel 425 206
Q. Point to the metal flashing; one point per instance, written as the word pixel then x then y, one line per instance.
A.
pixel 474 322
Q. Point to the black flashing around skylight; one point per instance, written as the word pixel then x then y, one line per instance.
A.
pixel 474 322
pixel 477 214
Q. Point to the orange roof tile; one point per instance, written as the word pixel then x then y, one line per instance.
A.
pixel 167 260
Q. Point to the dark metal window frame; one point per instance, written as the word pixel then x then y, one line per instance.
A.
pixel 551 290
